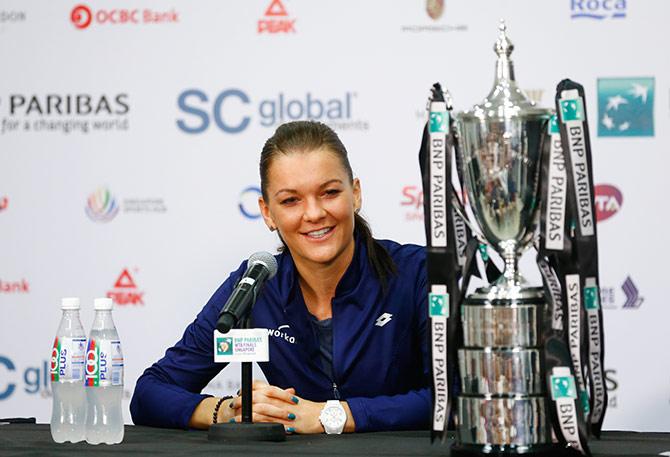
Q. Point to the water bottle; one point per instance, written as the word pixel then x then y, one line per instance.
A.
pixel 104 378
pixel 68 413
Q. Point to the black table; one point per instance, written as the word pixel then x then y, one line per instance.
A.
pixel 35 440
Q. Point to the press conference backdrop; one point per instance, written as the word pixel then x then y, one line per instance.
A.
pixel 130 134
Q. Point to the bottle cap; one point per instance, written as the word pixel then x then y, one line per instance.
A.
pixel 69 303
pixel 103 304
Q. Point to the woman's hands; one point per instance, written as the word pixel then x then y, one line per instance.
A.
pixel 283 406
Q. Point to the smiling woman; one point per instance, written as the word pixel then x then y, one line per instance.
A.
pixel 351 309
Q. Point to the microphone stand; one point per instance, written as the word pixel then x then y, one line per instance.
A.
pixel 247 430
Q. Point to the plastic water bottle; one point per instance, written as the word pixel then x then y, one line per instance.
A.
pixel 104 378
pixel 68 413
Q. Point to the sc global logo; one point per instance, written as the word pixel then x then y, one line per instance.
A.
pixel 248 204
pixel 35 379
pixel 233 110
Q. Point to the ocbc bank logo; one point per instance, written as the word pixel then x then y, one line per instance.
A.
pixel 82 16
pixel 231 111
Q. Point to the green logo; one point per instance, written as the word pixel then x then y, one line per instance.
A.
pixel 591 298
pixel 224 346
pixel 483 250
pixel 439 305
pixel 563 387
pixel 572 110
pixel 553 125
pixel 439 121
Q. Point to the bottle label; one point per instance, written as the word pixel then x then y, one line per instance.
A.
pixel 104 363
pixel 67 359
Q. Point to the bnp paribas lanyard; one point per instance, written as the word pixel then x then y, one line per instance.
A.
pixel 567 413
pixel 442 254
pixel 583 280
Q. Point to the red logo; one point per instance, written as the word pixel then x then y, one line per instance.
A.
pixel 14 287
pixel 276 19
pixel 608 201
pixel 81 16
pixel 125 291
pixel 4 203
pixel 413 200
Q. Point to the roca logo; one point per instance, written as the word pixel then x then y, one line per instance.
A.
pixel 608 201
pixel 232 110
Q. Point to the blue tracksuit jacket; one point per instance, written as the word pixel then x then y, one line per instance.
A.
pixel 380 366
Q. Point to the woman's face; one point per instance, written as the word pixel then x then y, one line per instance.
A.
pixel 312 203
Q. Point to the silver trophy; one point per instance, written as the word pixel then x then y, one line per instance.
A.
pixel 503 406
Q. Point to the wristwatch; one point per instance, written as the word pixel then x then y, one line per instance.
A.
pixel 333 417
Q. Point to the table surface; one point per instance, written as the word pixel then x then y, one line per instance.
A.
pixel 35 440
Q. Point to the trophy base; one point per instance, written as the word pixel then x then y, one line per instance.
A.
pixel 545 450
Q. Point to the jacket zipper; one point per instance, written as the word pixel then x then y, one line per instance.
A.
pixel 336 393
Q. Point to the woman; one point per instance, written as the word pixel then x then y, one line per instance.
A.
pixel 349 311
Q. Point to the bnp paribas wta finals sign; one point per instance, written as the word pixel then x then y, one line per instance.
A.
pixel 516 369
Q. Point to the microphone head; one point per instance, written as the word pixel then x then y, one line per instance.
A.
pixel 267 260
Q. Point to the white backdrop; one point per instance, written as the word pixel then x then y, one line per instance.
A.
pixel 118 153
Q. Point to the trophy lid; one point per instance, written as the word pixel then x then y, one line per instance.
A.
pixel 506 99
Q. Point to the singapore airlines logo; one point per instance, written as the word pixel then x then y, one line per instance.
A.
pixel 383 319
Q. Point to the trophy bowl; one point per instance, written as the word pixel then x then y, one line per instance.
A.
pixel 503 405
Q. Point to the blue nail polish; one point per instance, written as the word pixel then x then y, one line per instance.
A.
pixel 232 420
pixel 290 430
pixel 291 416
pixel 294 399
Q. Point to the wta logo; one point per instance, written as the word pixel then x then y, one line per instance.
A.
pixel 81 16
pixel 101 206
pixel 608 200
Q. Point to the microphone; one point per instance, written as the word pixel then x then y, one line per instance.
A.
pixel 261 266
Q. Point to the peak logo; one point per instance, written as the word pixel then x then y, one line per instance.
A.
pixel 248 205
pixel 14 287
pixel 4 203
pixel 233 111
pixel 125 291
pixel 82 16
pixel 598 9
pixel 276 20
pixel 608 200
pixel 101 206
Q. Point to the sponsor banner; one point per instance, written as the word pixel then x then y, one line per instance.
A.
pixel 102 206
pixel 626 296
pixel 433 20
pixel 65 113
pixel 598 9
pixel 276 20
pixel 625 107
pixel 242 345
pixel 233 110
pixel 20 286
pixel 84 17
pixel 248 204
pixel 125 291
pixel 608 200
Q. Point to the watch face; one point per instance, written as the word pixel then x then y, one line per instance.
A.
pixel 333 416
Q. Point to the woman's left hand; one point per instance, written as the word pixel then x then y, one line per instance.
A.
pixel 281 406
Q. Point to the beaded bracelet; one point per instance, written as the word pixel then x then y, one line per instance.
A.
pixel 218 405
